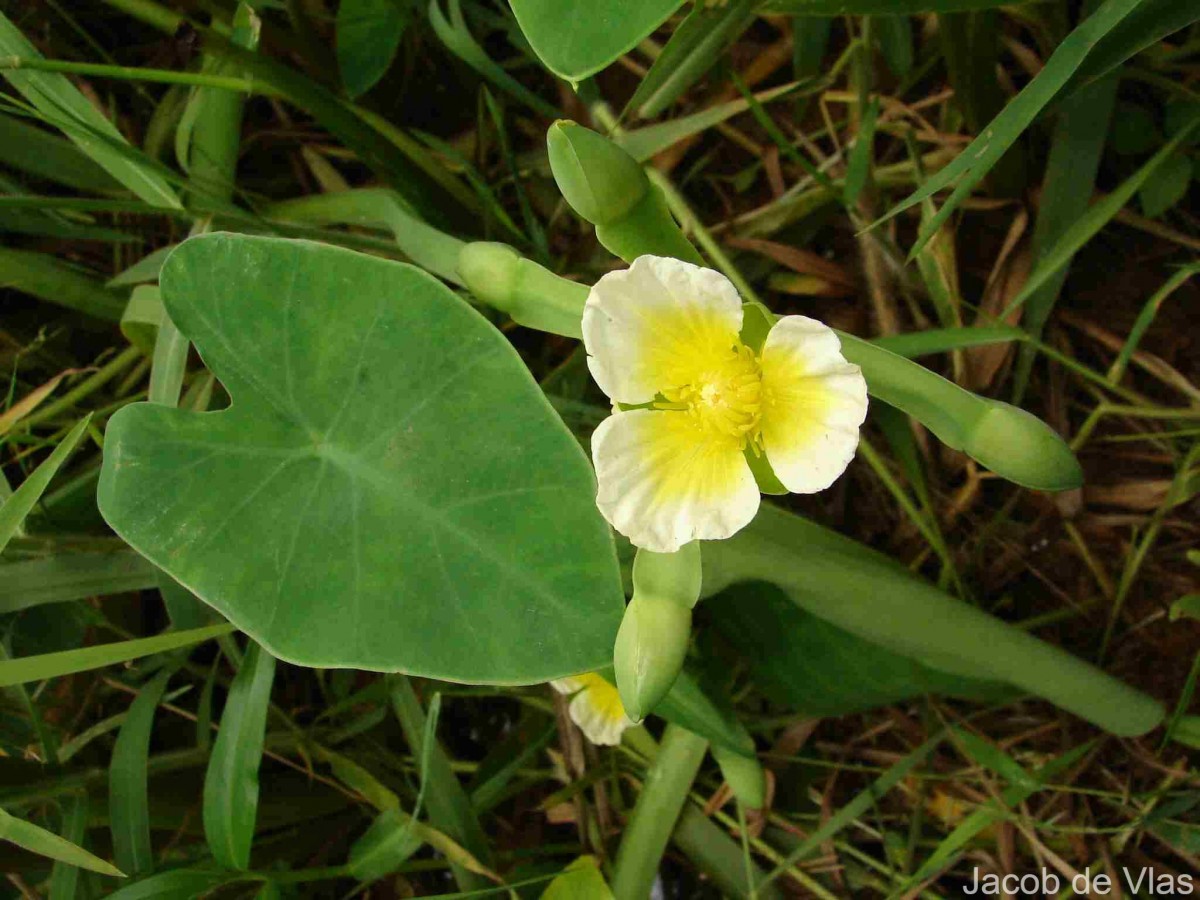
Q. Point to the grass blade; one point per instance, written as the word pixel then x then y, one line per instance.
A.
pixel 24 498
pixel 128 780
pixel 48 279
pixel 39 153
pixel 64 877
pixel 1075 151
pixel 450 808
pixel 856 807
pixel 68 662
pixel 231 784
pixel 61 103
pixel 47 843
pixel 72 576
pixel 972 164
pixel 694 48
pixel 1089 224
pixel 455 34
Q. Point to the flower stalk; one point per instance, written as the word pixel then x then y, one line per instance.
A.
pixel 663 795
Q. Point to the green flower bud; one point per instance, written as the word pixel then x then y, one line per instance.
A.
pixel 653 638
pixel 531 294
pixel 597 178
pixel 744 775
pixel 609 188
pixel 1023 448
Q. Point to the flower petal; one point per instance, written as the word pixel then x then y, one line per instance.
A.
pixel 813 404
pixel 597 724
pixel 652 326
pixel 664 480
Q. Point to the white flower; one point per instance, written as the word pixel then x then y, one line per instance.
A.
pixel 663 336
pixel 595 707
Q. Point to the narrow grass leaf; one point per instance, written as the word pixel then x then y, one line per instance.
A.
pixel 858 170
pixel 1149 23
pixel 64 876
pixel 144 270
pixel 455 34
pixel 128 780
pixel 1077 144
pixel 1021 787
pixel 1098 215
pixel 46 843
pixel 31 401
pixel 384 847
pixel 450 808
pixel 62 104
pixel 1146 318
pixel 54 281
pixel 694 48
pixel 858 806
pixel 231 784
pixel 942 340
pixel 67 662
pixel 178 884
pixel 24 498
pixel 35 151
pixel 649 140
pixel 971 165
pixel 72 576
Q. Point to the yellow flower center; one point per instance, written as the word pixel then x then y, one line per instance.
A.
pixel 723 394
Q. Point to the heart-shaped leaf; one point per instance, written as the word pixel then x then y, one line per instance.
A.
pixel 583 41
pixel 389 489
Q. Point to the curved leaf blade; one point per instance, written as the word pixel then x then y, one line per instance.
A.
pixel 580 43
pixel 368 499
pixel 46 843
pixel 231 783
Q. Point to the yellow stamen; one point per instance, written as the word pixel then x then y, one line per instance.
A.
pixel 722 392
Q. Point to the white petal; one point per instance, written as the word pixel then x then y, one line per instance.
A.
pixel 597 724
pixel 642 325
pixel 813 404
pixel 665 481
pixel 569 685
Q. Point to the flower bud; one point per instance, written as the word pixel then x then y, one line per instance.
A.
pixel 653 638
pixel 609 188
pixel 531 294
pixel 597 178
pixel 744 775
pixel 1022 448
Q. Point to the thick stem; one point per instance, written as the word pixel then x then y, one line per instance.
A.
pixel 664 792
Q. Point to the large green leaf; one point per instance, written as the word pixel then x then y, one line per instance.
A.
pixel 389 489
pixel 879 7
pixel 579 42
pixel 368 33
pixel 872 596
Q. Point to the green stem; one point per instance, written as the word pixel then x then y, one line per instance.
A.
pixel 664 793
pixel 154 14
pixel 85 388
pixel 134 73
